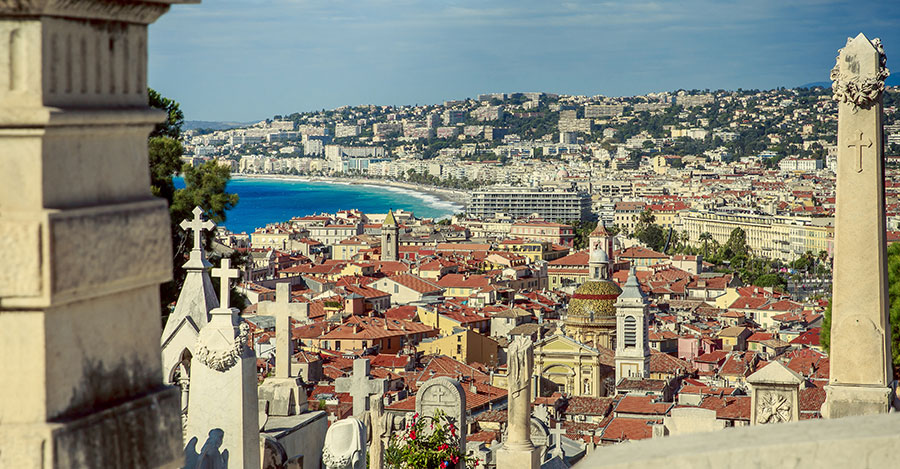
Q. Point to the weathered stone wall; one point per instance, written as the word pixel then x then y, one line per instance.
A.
pixel 857 442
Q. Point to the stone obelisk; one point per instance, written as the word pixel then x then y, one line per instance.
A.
pixel 860 331
pixel 518 451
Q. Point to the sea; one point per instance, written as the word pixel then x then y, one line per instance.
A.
pixel 270 200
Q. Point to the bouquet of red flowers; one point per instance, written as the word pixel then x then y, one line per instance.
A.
pixel 436 447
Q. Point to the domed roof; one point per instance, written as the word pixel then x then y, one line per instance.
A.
pixel 598 297
pixel 599 255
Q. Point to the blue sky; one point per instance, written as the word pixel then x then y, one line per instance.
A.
pixel 251 59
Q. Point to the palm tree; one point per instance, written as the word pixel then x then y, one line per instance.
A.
pixel 705 237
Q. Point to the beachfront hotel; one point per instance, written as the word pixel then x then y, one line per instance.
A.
pixel 521 202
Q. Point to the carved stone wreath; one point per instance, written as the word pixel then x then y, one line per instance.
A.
pixel 222 360
pixel 332 460
pixel 860 92
pixel 773 408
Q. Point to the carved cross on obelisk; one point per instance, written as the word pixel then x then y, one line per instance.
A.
pixel 283 310
pixel 361 386
pixel 225 273
pixel 860 144
pixel 860 332
pixel 198 225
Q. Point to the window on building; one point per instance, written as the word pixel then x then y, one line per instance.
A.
pixel 459 349
pixel 630 331
pixel 337 344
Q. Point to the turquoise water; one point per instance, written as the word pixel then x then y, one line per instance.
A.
pixel 272 200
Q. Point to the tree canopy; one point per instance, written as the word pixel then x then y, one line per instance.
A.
pixel 204 187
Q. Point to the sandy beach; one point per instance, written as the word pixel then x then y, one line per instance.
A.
pixel 456 197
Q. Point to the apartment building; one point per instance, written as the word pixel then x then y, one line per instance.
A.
pixel 524 202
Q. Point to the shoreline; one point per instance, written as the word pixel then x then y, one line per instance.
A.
pixel 458 199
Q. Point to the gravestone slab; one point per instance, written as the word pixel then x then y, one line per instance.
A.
pixel 447 395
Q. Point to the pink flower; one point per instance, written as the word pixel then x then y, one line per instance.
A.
pixel 412 435
pixel 455 459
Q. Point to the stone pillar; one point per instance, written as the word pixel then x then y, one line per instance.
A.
pixel 223 416
pixel 85 243
pixel 518 452
pixel 860 331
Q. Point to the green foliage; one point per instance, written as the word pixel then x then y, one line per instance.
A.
pixel 825 333
pixel 165 161
pixel 583 231
pixel 645 219
pixel 736 246
pixel 770 280
pixel 653 236
pixel 893 253
pixel 436 447
pixel 204 187
pixel 171 127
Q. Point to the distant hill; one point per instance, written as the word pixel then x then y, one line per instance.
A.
pixel 892 80
pixel 215 125
pixel 821 84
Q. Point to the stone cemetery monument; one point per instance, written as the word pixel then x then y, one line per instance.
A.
pixel 361 387
pixel 860 338
pixel 377 431
pixel 684 420
pixel 284 393
pixel 774 394
pixel 223 417
pixel 557 434
pixel 345 445
pixel 85 243
pixel 518 452
pixel 447 395
pixel 196 300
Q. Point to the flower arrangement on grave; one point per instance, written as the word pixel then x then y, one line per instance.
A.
pixel 427 443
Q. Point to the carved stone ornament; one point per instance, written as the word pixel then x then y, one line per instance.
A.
pixel 859 91
pixel 773 408
pixel 333 460
pixel 222 360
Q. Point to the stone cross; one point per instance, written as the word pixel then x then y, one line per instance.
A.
pixel 860 144
pixel 198 225
pixel 860 330
pixel 361 386
pixel 557 434
pixel 225 273
pixel 283 310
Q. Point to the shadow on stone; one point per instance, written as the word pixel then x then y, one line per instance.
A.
pixel 209 456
